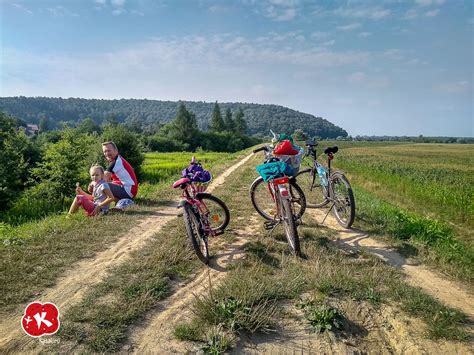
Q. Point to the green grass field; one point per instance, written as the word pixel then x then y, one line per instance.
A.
pixel 422 194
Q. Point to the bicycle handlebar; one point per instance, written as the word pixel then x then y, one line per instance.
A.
pixel 265 148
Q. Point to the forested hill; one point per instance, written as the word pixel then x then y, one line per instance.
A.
pixel 260 118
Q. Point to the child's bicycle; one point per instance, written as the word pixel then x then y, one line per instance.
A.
pixel 204 215
pixel 323 186
pixel 279 200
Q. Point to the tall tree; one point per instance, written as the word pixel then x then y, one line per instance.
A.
pixel 217 123
pixel 184 127
pixel 229 121
pixel 13 145
pixel 240 123
pixel 44 124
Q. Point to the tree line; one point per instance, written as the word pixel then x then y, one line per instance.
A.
pixel 151 115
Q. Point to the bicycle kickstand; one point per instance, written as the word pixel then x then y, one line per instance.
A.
pixel 329 210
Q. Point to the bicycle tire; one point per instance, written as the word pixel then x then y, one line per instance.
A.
pixel 265 206
pixel 344 203
pixel 289 224
pixel 316 195
pixel 195 235
pixel 219 214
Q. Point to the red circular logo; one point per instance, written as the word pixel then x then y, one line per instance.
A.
pixel 40 319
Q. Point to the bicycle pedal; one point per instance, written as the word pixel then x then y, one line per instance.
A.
pixel 219 232
pixel 268 225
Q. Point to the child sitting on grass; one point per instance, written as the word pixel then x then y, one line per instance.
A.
pixel 101 195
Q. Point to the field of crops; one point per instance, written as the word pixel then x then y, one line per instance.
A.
pixel 434 179
pixel 420 193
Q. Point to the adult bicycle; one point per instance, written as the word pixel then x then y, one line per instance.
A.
pixel 204 215
pixel 326 186
pixel 279 200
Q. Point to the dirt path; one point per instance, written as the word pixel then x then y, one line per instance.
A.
pixel 446 291
pixel 155 334
pixel 72 286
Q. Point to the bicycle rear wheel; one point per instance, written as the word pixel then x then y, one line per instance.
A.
pixel 316 195
pixel 217 212
pixel 264 204
pixel 195 234
pixel 343 197
pixel 289 223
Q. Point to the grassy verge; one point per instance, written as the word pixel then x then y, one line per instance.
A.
pixel 33 255
pixel 427 238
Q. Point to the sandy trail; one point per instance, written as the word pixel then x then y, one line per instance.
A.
pixel 71 287
pixel 448 292
pixel 155 334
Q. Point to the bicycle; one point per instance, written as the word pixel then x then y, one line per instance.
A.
pixel 274 200
pixel 323 186
pixel 204 215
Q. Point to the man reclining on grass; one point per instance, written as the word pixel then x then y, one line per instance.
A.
pixel 123 182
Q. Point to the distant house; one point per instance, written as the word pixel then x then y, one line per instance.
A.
pixel 31 129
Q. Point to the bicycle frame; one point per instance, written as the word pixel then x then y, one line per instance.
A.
pixel 189 194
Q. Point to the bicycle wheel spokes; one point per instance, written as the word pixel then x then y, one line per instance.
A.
pixel 344 206
pixel 215 211
pixel 316 195
pixel 262 199
pixel 195 234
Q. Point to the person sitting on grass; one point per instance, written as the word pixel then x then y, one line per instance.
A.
pixel 101 195
pixel 123 182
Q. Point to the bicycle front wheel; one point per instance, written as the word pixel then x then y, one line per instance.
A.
pixel 343 197
pixel 289 223
pixel 316 195
pixel 265 205
pixel 196 237
pixel 216 211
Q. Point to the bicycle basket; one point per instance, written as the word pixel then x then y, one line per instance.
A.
pixel 201 186
pixel 271 170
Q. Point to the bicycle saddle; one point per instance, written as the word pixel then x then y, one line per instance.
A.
pixel 331 150
pixel 311 143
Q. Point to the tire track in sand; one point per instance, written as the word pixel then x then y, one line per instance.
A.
pixel 448 292
pixel 71 287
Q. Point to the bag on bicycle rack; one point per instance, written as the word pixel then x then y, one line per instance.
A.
pixel 271 170
pixel 198 175
pixel 291 155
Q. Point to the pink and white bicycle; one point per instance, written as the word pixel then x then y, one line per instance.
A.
pixel 204 215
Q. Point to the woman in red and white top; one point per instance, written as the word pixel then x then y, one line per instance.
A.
pixel 123 182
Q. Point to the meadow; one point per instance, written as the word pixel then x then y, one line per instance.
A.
pixel 421 194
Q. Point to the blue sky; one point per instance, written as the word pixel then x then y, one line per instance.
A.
pixel 372 67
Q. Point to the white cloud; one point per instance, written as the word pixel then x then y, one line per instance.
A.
pixel 372 13
pixel 329 43
pixel 22 8
pixel 117 2
pixel 429 2
pixel 356 77
pixel 318 35
pixel 278 14
pixel 432 13
pixel 349 27
pixel 454 87
pixel 118 11
pixel 364 34
pixel 101 2
pixel 60 11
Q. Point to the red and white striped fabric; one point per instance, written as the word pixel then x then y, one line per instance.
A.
pixel 124 175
